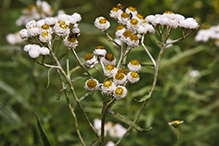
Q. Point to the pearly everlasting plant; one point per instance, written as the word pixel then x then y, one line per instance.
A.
pixel 116 73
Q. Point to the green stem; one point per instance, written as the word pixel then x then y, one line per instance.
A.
pixel 177 132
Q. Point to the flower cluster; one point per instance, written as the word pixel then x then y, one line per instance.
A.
pixel 131 25
pixel 45 29
pixel 116 78
pixel 34 12
pixel 205 35
pixel 172 20
pixel 114 130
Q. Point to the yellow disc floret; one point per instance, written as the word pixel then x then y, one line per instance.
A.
pixel 134 21
pixel 119 91
pixel 109 57
pixel 134 74
pixel 91 83
pixel 119 76
pixel 135 62
pixel 103 21
pixel 110 67
pixel 88 57
pixel 107 84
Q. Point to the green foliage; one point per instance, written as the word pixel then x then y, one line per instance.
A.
pixel 23 84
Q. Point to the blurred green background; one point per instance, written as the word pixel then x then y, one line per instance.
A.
pixel 178 96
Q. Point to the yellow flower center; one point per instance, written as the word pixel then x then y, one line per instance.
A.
pixel 91 83
pixel 71 38
pixel 119 90
pixel 119 76
pixel 134 21
pixel 169 12
pixel 115 9
pixel 103 21
pixel 134 74
pixel 44 34
pixel 132 8
pixel 88 57
pixel 127 33
pixel 140 16
pixel 100 47
pixel 134 37
pixel 110 57
pixel 134 62
pixel 125 15
pixel 110 67
pixel 107 84
pixel 120 27
pixel 45 26
pixel 122 70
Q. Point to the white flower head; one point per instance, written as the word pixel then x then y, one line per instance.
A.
pixel 119 78
pixel 175 123
pixel 70 41
pixel 133 41
pixel 194 73
pixel 134 65
pixel 45 36
pixel 32 29
pixel 14 38
pixel 120 92
pixel 23 34
pixel 100 51
pixel 110 143
pixel 117 131
pixel 131 10
pixel 133 25
pixel 115 12
pixel 41 24
pixel 44 51
pixel 110 70
pixel 34 51
pixel 92 85
pixel 50 21
pixel 189 23
pixel 109 59
pixel 145 28
pixel 101 23
pixel 27 47
pixel 133 77
pixel 123 18
pixel 108 87
pixel 120 30
pixel 126 36
pixel 75 17
pixel 90 60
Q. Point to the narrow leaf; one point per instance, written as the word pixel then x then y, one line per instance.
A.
pixel 42 133
pixel 127 121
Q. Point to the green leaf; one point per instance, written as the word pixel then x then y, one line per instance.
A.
pixel 127 121
pixel 42 133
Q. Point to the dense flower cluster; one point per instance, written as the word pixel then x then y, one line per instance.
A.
pixel 117 78
pixel 114 130
pixel 205 35
pixel 172 20
pixel 34 12
pixel 63 25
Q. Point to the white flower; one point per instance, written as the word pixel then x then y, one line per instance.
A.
pixel 109 59
pixel 23 34
pixel 115 12
pixel 108 87
pixel 44 51
pixel 75 18
pixel 120 30
pixel 45 36
pixel 133 41
pixel 117 131
pixel 32 29
pixel 120 92
pixel 189 23
pixel 61 28
pixel 43 26
pixel 92 85
pixel 153 19
pixel 145 28
pixel 27 47
pixel 134 65
pixel 175 123
pixel 125 36
pixel 123 18
pixel 100 51
pixel 133 77
pixel 194 73
pixel 133 25
pixel 50 21
pixel 70 41
pixel 101 23
pixel 14 38
pixel 132 10
pixel 34 51
pixel 90 60
pixel 119 78
pixel 110 143
pixel 110 70
pixel 203 35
